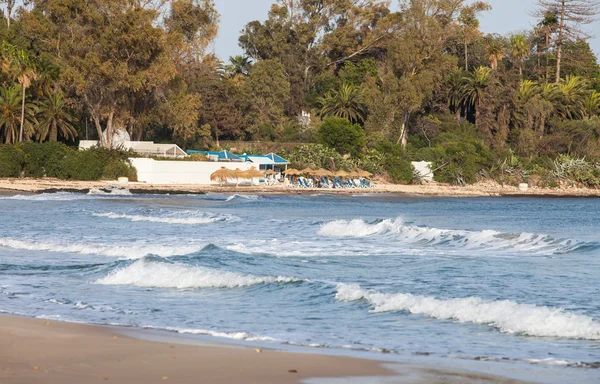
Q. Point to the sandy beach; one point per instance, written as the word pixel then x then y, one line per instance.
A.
pixel 42 351
pixel 487 188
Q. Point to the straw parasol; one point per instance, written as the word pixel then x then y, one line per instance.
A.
pixel 353 174
pixel 221 174
pixel 252 173
pixel 363 173
pixel 322 172
pixel 307 171
pixel 292 172
pixel 341 173
pixel 270 172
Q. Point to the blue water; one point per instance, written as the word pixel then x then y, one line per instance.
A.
pixel 509 280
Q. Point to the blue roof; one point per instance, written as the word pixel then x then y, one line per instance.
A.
pixel 222 156
pixel 277 159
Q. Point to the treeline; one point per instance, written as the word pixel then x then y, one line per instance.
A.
pixel 419 83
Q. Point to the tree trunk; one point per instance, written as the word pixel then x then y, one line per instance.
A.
pixel 96 119
pixel 53 131
pixel 559 43
pixel 22 114
pixel 403 139
pixel 109 129
pixel 466 55
pixel 9 6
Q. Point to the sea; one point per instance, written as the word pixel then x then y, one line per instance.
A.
pixel 509 286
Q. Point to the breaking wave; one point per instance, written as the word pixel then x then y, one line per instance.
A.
pixel 246 197
pixel 487 239
pixel 184 218
pixel 247 336
pixel 131 251
pixel 110 192
pixel 58 196
pixel 159 274
pixel 505 315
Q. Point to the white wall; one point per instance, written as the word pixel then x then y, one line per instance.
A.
pixel 423 168
pixel 182 172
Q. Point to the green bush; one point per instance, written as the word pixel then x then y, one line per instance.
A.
pixel 341 135
pixel 11 161
pixel 55 159
pixel 396 163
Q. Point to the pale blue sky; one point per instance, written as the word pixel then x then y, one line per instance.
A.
pixel 506 16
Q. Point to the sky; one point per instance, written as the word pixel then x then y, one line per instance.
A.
pixel 506 16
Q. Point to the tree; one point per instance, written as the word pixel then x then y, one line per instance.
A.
pixel 10 114
pixel 10 5
pixel 470 24
pixel 519 50
pixel 347 102
pixel 266 91
pixel 572 14
pixel 340 134
pixel 54 118
pixel 238 65
pixel 548 25
pixel 474 85
pixel 494 53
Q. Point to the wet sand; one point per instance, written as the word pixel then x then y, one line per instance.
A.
pixel 487 188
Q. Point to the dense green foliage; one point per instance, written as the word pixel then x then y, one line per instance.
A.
pixel 341 135
pixel 387 86
pixel 56 160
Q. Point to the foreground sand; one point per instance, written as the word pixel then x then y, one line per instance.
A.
pixel 49 352
pixel 430 189
pixel 39 351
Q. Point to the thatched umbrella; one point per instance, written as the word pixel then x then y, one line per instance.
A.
pixel 307 171
pixel 221 175
pixel 363 173
pixel 251 174
pixel 341 173
pixel 270 172
pixel 292 172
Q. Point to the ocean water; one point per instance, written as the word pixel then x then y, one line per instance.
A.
pixel 507 280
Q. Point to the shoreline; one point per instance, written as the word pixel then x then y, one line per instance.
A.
pixel 46 351
pixel 482 189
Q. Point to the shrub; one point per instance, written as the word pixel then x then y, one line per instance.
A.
pixel 11 161
pixel 341 135
pixel 396 163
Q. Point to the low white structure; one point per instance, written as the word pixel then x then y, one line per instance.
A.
pixel 184 172
pixel 144 148
pixel 423 170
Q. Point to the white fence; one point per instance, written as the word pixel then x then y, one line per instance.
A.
pixel 183 172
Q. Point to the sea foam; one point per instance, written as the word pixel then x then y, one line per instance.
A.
pixel 487 239
pixel 131 251
pixel 156 274
pixel 182 218
pixel 505 315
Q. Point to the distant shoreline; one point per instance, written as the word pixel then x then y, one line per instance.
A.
pixel 482 189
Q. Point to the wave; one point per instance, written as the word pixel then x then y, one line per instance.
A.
pixel 246 336
pixel 505 315
pixel 131 251
pixel 246 197
pixel 159 274
pixel 487 239
pixel 58 196
pixel 184 218
pixel 110 192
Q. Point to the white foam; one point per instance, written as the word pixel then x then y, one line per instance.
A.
pixel 247 336
pixel 58 196
pixel 110 192
pixel 247 197
pixel 147 273
pixel 505 315
pixel 192 219
pixel 486 239
pixel 130 251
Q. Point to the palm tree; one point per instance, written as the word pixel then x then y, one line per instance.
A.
pixel 55 118
pixel 592 105
pixel 10 114
pixel 474 84
pixel 470 24
pixel 455 100
pixel 238 65
pixel 519 50
pixel 347 102
pixel 571 94
pixel 495 53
